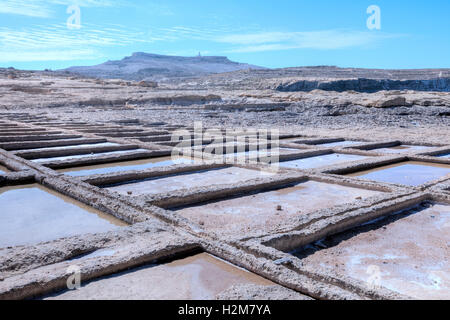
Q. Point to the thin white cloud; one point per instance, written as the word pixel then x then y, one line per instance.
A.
pixel 59 36
pixel 52 55
pixel 25 8
pixel 196 33
pixel 321 40
pixel 31 44
pixel 24 42
pixel 274 41
pixel 46 8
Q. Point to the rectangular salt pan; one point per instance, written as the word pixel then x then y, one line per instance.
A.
pixel 401 149
pixel 321 161
pixel 81 156
pixel 125 166
pixel 32 214
pixel 410 173
pixel 200 277
pixel 187 181
pixel 78 146
pixel 408 252
pixel 341 143
pixel 266 209
pixel 261 153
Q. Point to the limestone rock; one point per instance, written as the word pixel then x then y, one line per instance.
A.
pixel 391 102
pixel 147 84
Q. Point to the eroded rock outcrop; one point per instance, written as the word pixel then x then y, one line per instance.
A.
pixel 366 85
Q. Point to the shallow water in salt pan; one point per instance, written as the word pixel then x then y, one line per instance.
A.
pixel 401 149
pixel 407 252
pixel 340 143
pixel 125 166
pixel 188 180
pixel 81 156
pixel 265 210
pixel 321 161
pixel 78 146
pixel 199 277
pixel 410 173
pixel 32 214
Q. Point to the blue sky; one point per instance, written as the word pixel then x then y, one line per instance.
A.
pixel 414 34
